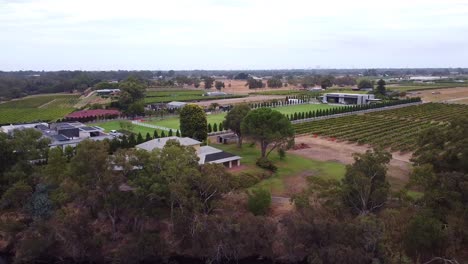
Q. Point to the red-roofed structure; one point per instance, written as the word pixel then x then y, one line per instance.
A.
pixel 93 114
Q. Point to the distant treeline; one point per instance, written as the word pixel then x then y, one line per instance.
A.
pixel 21 83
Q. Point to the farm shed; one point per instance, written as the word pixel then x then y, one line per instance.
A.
pixel 227 138
pixel 175 105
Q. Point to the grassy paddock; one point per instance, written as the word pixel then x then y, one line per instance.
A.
pixel 292 165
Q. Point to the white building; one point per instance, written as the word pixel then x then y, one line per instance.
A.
pixel 175 105
pixel 206 154
pixel 348 99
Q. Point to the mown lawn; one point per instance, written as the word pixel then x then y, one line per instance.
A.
pixel 115 125
pixel 292 165
pixel 173 122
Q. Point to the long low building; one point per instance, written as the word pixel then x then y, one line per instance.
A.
pixel 206 154
pixel 348 99
pixel 63 134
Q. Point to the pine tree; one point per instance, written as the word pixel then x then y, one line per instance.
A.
pixel 170 133
pixel 140 138
pixel 163 134
pixel 209 128
pixel 215 127
pixel 177 133
pixel 124 143
pixel 148 136
pixel 155 134
pixel 132 141
pixel 221 128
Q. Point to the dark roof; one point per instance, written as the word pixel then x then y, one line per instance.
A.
pixel 60 137
pixel 42 127
pixel 218 156
pixel 88 128
pixel 65 126
pixel 229 136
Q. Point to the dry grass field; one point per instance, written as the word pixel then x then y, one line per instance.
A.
pixel 238 87
pixel 455 95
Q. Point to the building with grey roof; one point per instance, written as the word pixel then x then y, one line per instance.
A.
pixel 206 154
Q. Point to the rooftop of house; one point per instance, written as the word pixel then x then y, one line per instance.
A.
pixel 174 103
pixel 206 154
pixel 161 142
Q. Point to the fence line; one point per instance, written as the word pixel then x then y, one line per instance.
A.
pixel 138 123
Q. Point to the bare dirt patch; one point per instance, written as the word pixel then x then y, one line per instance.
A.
pixel 442 95
pixel 238 87
pixel 324 149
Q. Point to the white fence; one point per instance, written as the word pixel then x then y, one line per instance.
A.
pixel 138 123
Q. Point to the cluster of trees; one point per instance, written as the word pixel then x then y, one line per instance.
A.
pixel 254 83
pixel 22 83
pixel 219 85
pixel 208 81
pixel 215 127
pixel 85 205
pixel 132 93
pixel 318 80
pixel 365 84
pixel 275 82
pixel 95 207
pixel 132 139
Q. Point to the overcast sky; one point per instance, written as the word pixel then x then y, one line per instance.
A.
pixel 231 34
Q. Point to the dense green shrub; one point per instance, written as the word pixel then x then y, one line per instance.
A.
pixel 259 201
pixel 265 163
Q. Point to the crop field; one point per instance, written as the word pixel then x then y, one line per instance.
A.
pixel 35 108
pixel 181 95
pixel 395 129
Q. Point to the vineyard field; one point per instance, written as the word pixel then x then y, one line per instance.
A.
pixel 37 108
pixel 189 95
pixel 394 129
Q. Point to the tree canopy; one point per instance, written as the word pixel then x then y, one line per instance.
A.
pixel 193 122
pixel 365 84
pixel 268 127
pixel 234 118
pixel 365 186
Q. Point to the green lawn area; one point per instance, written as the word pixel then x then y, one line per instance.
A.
pixel 173 122
pixel 115 125
pixel 291 109
pixel 292 165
